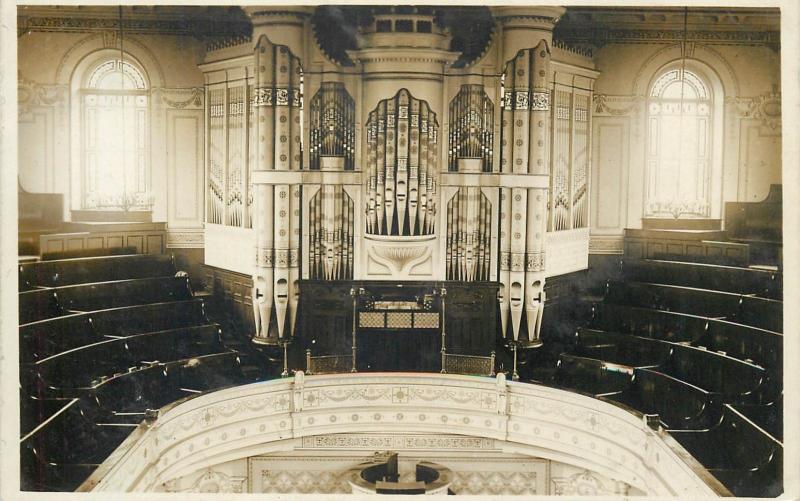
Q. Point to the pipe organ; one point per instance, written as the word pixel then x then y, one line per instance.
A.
pixel 324 154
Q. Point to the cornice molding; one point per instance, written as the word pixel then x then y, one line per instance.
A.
pixel 606 244
pixel 599 36
pixel 185 238
pixel 175 21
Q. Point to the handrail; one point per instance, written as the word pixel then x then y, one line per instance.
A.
pixel 586 432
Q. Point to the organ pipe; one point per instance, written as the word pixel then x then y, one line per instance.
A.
pixel 468 236
pixel 537 198
pixel 402 157
pixel 278 101
pixel 526 102
pixel 332 125
pixel 471 127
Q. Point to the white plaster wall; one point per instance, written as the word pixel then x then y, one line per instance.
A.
pixel 325 472
pixel 750 157
pixel 49 120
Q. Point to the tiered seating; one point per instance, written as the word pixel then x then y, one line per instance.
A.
pixel 680 405
pixel 122 335
pixel 591 376
pixel 77 368
pixel 621 349
pixel 762 283
pixel 93 269
pixel 66 448
pixel 153 386
pixel 79 253
pixel 744 457
pixel 50 303
pixel 746 309
pixel 759 346
pixel 45 338
pixel 700 346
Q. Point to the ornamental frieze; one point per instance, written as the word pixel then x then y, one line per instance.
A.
pixel 526 100
pixel 534 261
pixel 277 96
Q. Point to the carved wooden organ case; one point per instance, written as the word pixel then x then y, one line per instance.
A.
pixel 399 165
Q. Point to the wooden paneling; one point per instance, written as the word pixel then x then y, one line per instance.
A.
pixel 650 244
pixel 231 297
pixel 147 239
pixel 325 323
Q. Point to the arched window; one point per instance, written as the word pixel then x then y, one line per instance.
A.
pixel 115 115
pixel 679 145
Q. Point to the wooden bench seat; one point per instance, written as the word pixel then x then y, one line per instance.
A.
pixel 743 457
pixel 38 305
pixel 734 380
pixel 591 376
pixel 65 449
pixel 81 366
pixel 762 347
pixel 105 295
pixel 748 310
pixel 768 417
pixel 679 404
pixel 50 303
pixel 62 272
pixel 763 283
pixel 154 386
pixel 646 322
pixel 621 349
pixel 760 312
pixel 36 410
pixel 45 338
pixel 722 254
pixel 82 253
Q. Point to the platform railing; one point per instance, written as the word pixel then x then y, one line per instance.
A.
pixel 471 365
pixel 328 364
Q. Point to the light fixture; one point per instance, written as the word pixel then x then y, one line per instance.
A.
pixel 677 208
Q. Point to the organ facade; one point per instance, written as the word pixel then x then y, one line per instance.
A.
pixel 402 150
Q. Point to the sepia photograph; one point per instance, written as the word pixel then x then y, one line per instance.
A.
pixel 486 249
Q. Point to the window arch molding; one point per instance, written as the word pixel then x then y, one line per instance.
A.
pixel 71 70
pixel 111 119
pixel 701 157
